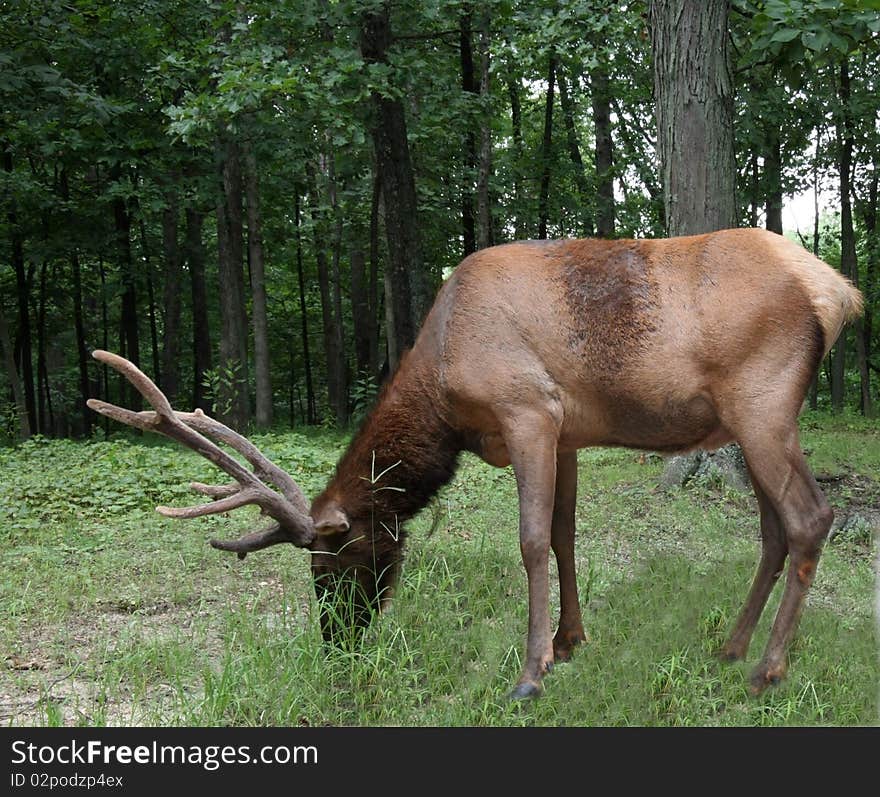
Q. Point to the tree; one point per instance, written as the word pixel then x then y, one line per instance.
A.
pixel 693 87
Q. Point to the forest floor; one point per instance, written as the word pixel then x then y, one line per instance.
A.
pixel 113 615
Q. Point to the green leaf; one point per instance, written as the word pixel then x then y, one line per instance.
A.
pixel 817 41
pixel 785 35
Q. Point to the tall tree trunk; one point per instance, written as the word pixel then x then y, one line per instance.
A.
pixel 171 279
pixel 233 393
pixel 411 291
pixel 773 179
pixel 151 299
pixel 546 149
pixel 469 86
pixel 340 364
pixel 105 337
pixel 586 227
pixel 604 154
pixel 754 189
pixel 373 290
pixel 814 384
pixel 82 354
pixel 12 375
pixel 360 310
pixel 330 310
pixel 258 291
pixel 872 262
pixel 201 333
pixel 514 87
pixel 304 317
pixel 129 334
pixel 43 425
pixel 485 235
pixel 848 260
pixel 694 108
pixel 26 374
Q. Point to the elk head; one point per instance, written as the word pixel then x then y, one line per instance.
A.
pixel 351 573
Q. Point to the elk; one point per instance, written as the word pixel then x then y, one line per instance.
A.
pixel 533 350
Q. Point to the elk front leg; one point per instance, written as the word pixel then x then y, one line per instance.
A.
pixel 570 631
pixel 531 444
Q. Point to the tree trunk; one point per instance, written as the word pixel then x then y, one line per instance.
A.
pixel 330 306
pixel 171 279
pixel 373 291
pixel 601 100
pixel 201 332
pixel 469 86
pixel 754 189
pixel 26 374
pixel 105 337
pixel 814 383
pixel 82 354
pixel 360 310
pixel 872 262
pixel 24 427
pixel 485 235
pixel 151 299
pixel 304 317
pixel 258 291
pixel 848 260
pixel 44 401
pixel 694 108
pixel 514 87
pixel 585 195
pixel 773 179
pixel 546 152
pixel 129 334
pixel 411 291
pixel 232 394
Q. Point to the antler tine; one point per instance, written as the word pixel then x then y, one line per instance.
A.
pixel 255 541
pixel 263 466
pixel 289 509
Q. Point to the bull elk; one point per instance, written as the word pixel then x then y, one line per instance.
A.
pixel 531 351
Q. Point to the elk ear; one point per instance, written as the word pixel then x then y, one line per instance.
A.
pixel 332 520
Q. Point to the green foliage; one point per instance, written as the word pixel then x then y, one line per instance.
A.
pixel 363 396
pixel 221 387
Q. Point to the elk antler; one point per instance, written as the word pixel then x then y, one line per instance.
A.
pixel 289 508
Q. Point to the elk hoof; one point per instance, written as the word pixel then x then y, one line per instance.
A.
pixel 764 676
pixel 563 646
pixel 526 691
pixel 730 654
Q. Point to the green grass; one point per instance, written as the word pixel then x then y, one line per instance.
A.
pixel 114 615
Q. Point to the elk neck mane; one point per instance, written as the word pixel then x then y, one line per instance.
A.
pixel 404 451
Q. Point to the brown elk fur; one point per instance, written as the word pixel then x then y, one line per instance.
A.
pixel 536 349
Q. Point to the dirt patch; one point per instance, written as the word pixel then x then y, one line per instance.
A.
pixel 104 665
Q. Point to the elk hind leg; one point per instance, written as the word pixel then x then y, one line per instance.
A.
pixel 806 517
pixel 774 549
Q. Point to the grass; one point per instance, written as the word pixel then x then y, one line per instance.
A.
pixel 114 615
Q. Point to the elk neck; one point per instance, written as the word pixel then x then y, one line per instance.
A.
pixel 403 453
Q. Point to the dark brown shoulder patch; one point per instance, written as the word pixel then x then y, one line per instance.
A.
pixel 612 298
